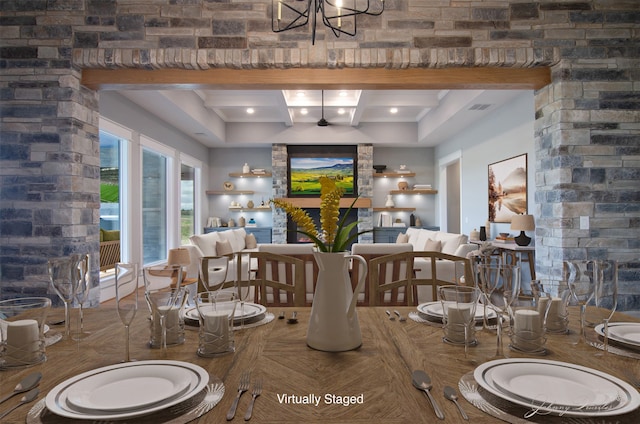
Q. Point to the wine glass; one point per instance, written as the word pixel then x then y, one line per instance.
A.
pixel 83 286
pixel 488 281
pixel 243 295
pixel 126 297
pixel 581 277
pixel 505 279
pixel 213 272
pixel 63 273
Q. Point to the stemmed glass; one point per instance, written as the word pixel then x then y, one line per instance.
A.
pixel 63 273
pixel 126 297
pixel 83 286
pixel 242 294
pixel 507 279
pixel 488 280
pixel 165 297
pixel 581 277
pixel 595 287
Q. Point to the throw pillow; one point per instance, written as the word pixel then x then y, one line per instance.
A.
pixel 224 248
pixel 250 241
pixel 433 246
pixel 402 238
pixel 110 235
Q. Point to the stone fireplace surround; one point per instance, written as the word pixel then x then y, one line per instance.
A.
pixel 365 190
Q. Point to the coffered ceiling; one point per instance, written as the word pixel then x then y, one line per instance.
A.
pixel 205 115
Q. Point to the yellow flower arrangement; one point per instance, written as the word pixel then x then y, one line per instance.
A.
pixel 334 235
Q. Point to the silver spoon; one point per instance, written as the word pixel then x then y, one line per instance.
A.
pixel 28 397
pixel 400 317
pixel 450 393
pixel 391 317
pixel 422 381
pixel 27 383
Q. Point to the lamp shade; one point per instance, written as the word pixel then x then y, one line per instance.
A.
pixel 523 223
pixel 179 256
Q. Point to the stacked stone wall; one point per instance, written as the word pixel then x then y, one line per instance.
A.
pixel 587 135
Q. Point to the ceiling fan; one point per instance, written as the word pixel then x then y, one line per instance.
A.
pixel 323 122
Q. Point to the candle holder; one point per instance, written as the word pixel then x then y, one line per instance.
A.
pixel 22 331
pixel 528 323
pixel 216 311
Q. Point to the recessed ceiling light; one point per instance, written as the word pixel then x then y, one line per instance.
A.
pixel 343 93
pixel 393 110
pixel 341 111
pixel 300 93
pixel 304 111
pixel 250 111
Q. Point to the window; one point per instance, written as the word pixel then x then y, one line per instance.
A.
pixel 155 192
pixel 187 202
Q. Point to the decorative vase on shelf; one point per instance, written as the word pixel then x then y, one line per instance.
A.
pixel 241 221
pixel 483 234
pixel 389 203
pixel 333 325
pixel 246 169
pixel 250 204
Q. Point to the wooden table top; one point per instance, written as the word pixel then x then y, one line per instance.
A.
pixel 379 371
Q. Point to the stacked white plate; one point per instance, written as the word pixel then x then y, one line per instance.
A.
pixel 624 333
pixel 558 388
pixel 127 390
pixel 433 311
pixel 250 312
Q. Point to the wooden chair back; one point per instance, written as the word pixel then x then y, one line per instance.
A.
pixel 279 279
pixel 462 268
pixel 213 272
pixel 390 280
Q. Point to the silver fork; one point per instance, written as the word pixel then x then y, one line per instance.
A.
pixel 243 386
pixel 257 391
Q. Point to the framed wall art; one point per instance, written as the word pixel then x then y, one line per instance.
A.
pixel 508 188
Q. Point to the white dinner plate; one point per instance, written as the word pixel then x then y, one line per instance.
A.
pixel 128 388
pixel 564 387
pixel 627 332
pixel 434 309
pixel 251 310
pixel 558 388
pixel 57 402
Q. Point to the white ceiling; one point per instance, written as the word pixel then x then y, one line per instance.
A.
pixel 204 114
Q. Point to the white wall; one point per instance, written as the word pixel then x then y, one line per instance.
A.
pixel 222 161
pixel 506 133
pixel 417 159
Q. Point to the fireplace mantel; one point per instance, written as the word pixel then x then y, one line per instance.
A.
pixel 314 202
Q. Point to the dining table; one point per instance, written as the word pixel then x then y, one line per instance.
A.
pixel 372 383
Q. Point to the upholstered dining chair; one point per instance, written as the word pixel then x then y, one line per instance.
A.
pixel 278 280
pixel 390 280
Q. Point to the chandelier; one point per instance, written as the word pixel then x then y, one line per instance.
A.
pixel 338 15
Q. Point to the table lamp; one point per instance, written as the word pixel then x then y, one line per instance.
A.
pixel 179 256
pixel 523 223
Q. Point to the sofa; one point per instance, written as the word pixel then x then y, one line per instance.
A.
pixel 237 240
pixel 429 240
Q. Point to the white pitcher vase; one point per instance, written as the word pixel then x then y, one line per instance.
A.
pixel 333 325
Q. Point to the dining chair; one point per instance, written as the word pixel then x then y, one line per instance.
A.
pixel 370 251
pixel 390 280
pixel 304 252
pixel 162 276
pixel 213 273
pixel 279 279
pixel 456 267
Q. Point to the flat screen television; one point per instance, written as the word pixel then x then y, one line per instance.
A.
pixel 305 170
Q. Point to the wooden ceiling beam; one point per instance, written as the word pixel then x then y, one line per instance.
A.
pixel 317 79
